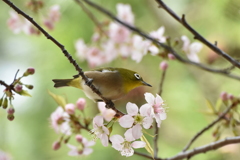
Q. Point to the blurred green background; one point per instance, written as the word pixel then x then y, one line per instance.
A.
pixel 186 88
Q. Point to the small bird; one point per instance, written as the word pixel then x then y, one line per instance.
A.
pixel 113 83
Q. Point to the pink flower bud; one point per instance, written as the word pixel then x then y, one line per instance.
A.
pixel 56 145
pixel 224 96
pixel 18 88
pixel 11 111
pixel 230 96
pixel 81 102
pixel 163 65
pixel 10 117
pixel 171 56
pixel 79 138
pixel 31 70
pixel 70 108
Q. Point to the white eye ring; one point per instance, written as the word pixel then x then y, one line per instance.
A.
pixel 137 76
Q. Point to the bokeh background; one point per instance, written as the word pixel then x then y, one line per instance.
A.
pixel 186 88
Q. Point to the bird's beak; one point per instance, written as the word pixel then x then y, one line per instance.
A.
pixel 146 84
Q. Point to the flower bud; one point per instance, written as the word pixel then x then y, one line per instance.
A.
pixel 70 108
pixel 5 103
pixel 29 71
pixel 81 102
pixel 18 88
pixel 230 96
pixel 10 117
pixel 163 65
pixel 79 138
pixel 171 56
pixel 11 111
pixel 224 96
pixel 56 145
pixel 29 86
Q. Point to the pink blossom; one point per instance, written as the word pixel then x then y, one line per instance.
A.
pixel 81 103
pixel 118 33
pixel 59 121
pixel 158 34
pixel 144 119
pixel 15 22
pixel 126 145
pixel 56 145
pixel 107 114
pixel 81 49
pixel 191 49
pixel 140 48
pixel 53 17
pixel 100 131
pixel 163 65
pixel 70 108
pixel 156 105
pixel 95 57
pixel 83 150
pixel 4 156
pixel 124 12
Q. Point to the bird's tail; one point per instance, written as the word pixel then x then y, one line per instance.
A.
pixel 67 82
pixel 61 82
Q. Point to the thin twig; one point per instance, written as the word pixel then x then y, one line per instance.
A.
pixel 205 148
pixel 222 116
pixel 168 48
pixel 197 35
pixel 156 131
pixel 92 17
pixel 109 103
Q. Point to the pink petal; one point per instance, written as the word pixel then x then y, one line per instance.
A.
pixel 138 144
pixel 137 131
pixel 117 140
pixel 132 109
pixel 126 121
pixel 158 100
pixel 145 110
pixel 98 120
pixel 147 122
pixel 87 151
pixel 104 140
pixel 149 98
pixel 128 135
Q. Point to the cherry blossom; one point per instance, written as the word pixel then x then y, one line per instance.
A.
pixel 118 33
pixel 156 105
pixel 53 17
pixel 124 12
pixel 126 145
pixel 191 49
pixel 100 131
pixel 144 119
pixel 107 114
pixel 59 121
pixel 81 150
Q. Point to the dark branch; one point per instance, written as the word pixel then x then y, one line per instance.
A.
pixel 197 35
pixel 222 116
pixel 156 42
pixel 109 103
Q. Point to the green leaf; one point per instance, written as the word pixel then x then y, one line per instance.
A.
pixel 218 104
pixel 210 106
pixel 24 93
pixel 148 146
pixel 61 101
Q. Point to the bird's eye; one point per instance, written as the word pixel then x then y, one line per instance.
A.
pixel 137 76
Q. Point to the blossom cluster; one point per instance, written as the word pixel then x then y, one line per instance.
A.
pixel 134 121
pixel 18 24
pixel 118 41
pixel 15 87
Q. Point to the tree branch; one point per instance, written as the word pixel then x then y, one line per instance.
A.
pixel 197 35
pixel 109 103
pixel 205 148
pixel 166 47
pixel 222 116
